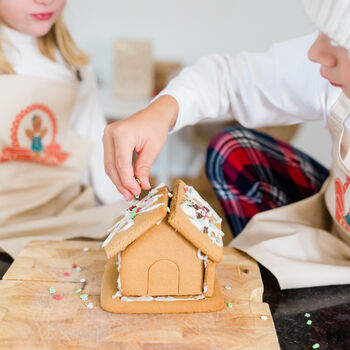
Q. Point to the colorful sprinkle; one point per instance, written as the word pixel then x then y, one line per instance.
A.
pixel 229 305
pixel 316 346
pixel 264 318
pixel 189 203
pixel 67 274
pixel 82 280
pixel 99 244
pixel 52 290
pixel 138 181
pixel 227 287
pixel 74 266
pixel 78 269
pixel 84 297
pixel 309 322
pixel 307 315
pixel 132 215
pixel 85 249
pixel 89 305
pixel 58 297
pixel 78 291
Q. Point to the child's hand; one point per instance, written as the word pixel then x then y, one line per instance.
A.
pixel 144 132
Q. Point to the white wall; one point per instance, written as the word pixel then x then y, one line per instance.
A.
pixel 183 29
pixel 186 29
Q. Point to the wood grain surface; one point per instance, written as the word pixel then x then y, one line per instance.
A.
pixel 31 318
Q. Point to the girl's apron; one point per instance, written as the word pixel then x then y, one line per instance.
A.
pixel 307 243
pixel 41 165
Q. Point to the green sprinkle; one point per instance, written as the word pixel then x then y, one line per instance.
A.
pixel 227 287
pixel 78 291
pixel 229 305
pixel 189 203
pixel 137 180
pixel 84 297
pixel 316 346
pixel 52 290
pixel 309 322
pixel 307 315
pixel 132 215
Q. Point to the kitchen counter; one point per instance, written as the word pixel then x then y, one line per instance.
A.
pixel 329 309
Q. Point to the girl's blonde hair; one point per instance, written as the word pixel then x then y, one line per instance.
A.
pixel 57 38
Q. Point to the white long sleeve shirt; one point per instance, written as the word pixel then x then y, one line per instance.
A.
pixel 279 87
pixel 87 119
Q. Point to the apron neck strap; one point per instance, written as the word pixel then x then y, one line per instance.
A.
pixel 339 113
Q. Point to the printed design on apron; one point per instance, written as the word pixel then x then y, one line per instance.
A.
pixel 33 137
pixel 342 217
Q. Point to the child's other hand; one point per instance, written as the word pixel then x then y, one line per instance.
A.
pixel 144 132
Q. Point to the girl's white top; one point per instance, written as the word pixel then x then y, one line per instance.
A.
pixel 279 87
pixel 87 119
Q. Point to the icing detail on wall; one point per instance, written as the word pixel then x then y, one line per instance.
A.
pixel 203 257
pixel 119 283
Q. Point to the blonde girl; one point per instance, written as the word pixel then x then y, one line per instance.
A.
pixel 51 161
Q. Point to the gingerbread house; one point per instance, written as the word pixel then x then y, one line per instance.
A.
pixel 162 255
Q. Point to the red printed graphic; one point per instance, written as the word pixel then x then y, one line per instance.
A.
pixel 42 149
pixel 341 216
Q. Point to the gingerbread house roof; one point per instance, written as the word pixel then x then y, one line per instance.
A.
pixel 189 215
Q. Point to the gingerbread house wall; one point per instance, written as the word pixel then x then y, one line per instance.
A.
pixel 159 263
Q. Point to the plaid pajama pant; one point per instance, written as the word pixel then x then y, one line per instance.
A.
pixel 252 172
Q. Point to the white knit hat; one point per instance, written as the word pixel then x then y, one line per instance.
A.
pixel 332 17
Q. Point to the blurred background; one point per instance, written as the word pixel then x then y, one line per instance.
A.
pixel 136 46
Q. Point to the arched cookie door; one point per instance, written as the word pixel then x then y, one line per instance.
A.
pixel 163 278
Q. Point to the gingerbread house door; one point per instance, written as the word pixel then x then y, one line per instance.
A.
pixel 163 278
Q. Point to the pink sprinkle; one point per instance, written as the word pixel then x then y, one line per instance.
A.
pixel 67 274
pixel 186 189
pixel 138 209
pixel 74 266
pixel 58 297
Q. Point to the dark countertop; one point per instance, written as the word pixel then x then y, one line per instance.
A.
pixel 329 309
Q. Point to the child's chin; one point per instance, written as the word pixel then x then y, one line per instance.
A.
pixel 40 29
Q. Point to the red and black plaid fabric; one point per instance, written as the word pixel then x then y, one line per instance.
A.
pixel 252 172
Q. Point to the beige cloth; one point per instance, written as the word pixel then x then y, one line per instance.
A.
pixel 41 164
pixel 307 243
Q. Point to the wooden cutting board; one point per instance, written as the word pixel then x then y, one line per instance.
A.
pixel 31 317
